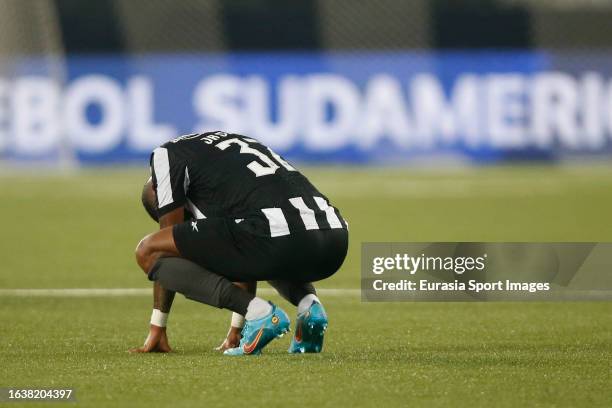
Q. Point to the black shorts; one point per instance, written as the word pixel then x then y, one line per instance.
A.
pixel 232 250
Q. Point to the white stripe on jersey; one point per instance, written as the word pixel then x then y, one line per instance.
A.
pixel 186 181
pixel 190 205
pixel 161 166
pixel 278 223
pixel 308 217
pixel 195 210
pixel 332 218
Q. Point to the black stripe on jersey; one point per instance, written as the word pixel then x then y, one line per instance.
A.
pixel 300 220
pixel 319 215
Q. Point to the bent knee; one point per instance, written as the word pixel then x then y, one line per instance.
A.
pixel 144 253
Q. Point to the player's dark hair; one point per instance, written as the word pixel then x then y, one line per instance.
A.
pixel 149 200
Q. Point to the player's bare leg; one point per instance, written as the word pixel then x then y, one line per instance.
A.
pixel 148 251
pixel 154 246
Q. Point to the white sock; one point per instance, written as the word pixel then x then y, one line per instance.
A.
pixel 305 303
pixel 257 309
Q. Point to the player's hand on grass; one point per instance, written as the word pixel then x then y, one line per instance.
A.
pixel 156 342
pixel 232 340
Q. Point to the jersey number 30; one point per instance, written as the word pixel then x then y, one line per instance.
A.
pixel 259 169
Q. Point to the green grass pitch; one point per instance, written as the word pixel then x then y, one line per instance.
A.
pixel 78 230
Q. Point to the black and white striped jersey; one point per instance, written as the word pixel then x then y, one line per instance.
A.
pixel 219 174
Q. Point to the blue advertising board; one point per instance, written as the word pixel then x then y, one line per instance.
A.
pixel 378 107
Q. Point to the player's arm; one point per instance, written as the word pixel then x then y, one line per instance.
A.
pixel 163 198
pixel 162 298
pixel 157 340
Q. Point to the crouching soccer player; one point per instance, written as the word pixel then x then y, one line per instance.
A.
pixel 256 219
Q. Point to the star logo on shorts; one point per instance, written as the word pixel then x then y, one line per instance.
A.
pixel 194 226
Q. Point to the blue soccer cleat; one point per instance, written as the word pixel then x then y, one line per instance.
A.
pixel 310 328
pixel 256 334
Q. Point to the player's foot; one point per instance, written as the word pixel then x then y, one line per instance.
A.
pixel 256 334
pixel 310 328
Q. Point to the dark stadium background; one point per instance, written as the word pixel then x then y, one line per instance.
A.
pixel 102 26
